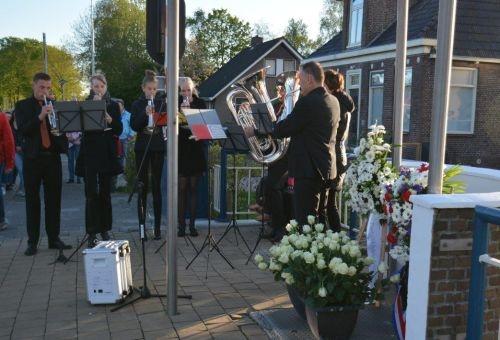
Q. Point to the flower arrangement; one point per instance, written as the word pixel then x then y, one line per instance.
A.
pixel 368 172
pixel 326 268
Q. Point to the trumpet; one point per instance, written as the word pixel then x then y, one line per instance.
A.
pixel 150 128
pixel 52 119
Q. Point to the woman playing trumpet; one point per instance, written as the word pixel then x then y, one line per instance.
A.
pixel 98 162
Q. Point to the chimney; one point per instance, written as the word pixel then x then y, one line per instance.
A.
pixel 256 41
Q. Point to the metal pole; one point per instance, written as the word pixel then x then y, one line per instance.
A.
pixel 399 81
pixel 92 46
pixel 441 96
pixel 172 63
pixel 45 55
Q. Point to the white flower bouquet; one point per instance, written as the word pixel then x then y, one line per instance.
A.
pixel 368 172
pixel 326 268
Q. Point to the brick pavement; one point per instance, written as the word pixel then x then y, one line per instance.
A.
pixel 42 301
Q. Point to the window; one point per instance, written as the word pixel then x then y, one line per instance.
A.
pixel 462 108
pixel 407 102
pixel 271 67
pixel 353 86
pixel 376 106
pixel 356 23
pixel 289 65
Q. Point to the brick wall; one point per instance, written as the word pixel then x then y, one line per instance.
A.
pixel 450 275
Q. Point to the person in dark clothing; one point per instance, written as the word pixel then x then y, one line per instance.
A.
pixel 192 162
pixel 312 126
pixel 141 116
pixel 334 82
pixel 98 162
pixel 42 164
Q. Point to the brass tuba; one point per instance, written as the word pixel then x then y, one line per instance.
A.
pixel 252 90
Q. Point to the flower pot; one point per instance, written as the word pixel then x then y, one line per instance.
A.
pixel 332 323
pixel 297 301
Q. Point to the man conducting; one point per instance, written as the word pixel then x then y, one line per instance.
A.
pixel 312 126
pixel 42 164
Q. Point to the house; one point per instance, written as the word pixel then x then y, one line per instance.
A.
pixel 365 50
pixel 277 54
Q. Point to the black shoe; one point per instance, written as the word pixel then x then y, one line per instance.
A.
pixel 30 251
pixel 92 241
pixel 70 181
pixel 58 244
pixel 105 236
pixel 157 237
pixel 193 232
pixel 181 232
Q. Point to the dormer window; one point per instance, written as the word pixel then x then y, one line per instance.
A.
pixel 355 23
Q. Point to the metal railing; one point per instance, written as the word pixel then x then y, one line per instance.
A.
pixel 483 218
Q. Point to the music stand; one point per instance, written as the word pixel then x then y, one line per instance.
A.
pixel 76 116
pixel 264 126
pixel 205 125
pixel 237 144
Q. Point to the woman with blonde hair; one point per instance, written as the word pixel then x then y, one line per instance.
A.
pixel 192 162
pixel 98 162
pixel 149 146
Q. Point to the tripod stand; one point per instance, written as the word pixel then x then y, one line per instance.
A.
pixel 144 291
pixel 209 240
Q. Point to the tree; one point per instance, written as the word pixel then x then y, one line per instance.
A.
pixel 193 64
pixel 331 20
pixel 219 35
pixel 261 29
pixel 120 45
pixel 296 33
pixel 20 59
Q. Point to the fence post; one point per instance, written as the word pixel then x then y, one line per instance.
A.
pixel 223 185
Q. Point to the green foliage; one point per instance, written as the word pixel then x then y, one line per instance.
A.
pixel 20 59
pixel 331 20
pixel 261 29
pixel 216 38
pixel 451 186
pixel 296 33
pixel 130 171
pixel 120 45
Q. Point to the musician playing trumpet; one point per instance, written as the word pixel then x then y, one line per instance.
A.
pixel 42 164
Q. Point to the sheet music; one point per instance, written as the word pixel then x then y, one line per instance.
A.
pixel 216 131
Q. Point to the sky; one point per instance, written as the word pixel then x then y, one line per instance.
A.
pixel 30 18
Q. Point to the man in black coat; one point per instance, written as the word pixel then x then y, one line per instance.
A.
pixel 42 164
pixel 312 126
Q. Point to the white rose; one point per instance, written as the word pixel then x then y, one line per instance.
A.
pixel 345 249
pixel 395 278
pixel 294 223
pixel 283 258
pixel 306 229
pixel 262 266
pixel 289 227
pixel 335 237
pixel 311 219
pixel 382 268
pixel 319 227
pixel 322 292
pixel 308 257
pixel 352 271
pixel 342 269
pixel 259 258
pixel 354 251
pixel 368 261
pixel 321 264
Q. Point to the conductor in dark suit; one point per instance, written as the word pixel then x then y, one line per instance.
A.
pixel 42 164
pixel 312 126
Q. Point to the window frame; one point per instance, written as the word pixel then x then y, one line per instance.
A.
pixel 349 86
pixel 474 95
pixel 350 41
pixel 294 64
pixel 268 74
pixel 411 88
pixel 370 99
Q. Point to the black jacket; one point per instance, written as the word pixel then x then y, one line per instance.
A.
pixel 346 107
pixel 98 149
pixel 139 121
pixel 312 126
pixel 28 125
pixel 192 160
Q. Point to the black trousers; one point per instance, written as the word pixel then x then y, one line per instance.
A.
pixel 153 161
pixel 330 215
pixel 307 197
pixel 274 203
pixel 98 209
pixel 44 169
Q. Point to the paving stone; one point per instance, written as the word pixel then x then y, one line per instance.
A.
pixel 131 334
